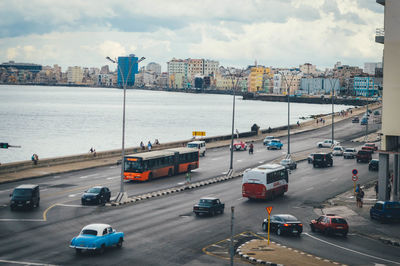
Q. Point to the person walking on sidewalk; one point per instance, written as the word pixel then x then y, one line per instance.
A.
pixel 251 148
pixel 188 177
pixel 359 197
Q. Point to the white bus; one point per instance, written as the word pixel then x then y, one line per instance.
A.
pixel 265 181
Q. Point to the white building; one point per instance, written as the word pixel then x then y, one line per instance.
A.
pixel 74 75
pixel 154 67
pixel 369 68
pixel 210 67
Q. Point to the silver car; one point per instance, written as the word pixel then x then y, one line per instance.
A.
pixel 289 164
pixel 349 153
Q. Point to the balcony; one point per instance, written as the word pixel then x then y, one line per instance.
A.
pixel 380 35
pixel 382 2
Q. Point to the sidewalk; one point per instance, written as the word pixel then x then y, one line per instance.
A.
pixel 96 162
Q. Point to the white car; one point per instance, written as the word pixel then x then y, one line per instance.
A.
pixel 200 145
pixel 327 143
pixel 349 153
pixel 337 151
pixel 268 139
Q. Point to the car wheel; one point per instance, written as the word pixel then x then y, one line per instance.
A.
pixel 265 227
pixel 204 153
pixel 312 228
pixel 212 213
pixel 99 201
pixel 279 231
pixel 267 148
pixel 78 251
pixel 119 244
pixel 222 211
pixel 319 146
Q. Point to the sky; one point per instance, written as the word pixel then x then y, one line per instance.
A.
pixel 278 33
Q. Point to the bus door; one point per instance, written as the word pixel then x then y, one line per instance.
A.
pixel 176 162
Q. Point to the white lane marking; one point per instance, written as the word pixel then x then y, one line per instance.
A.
pixel 333 179
pixel 9 190
pixel 240 199
pixel 239 161
pixel 44 189
pixel 354 251
pixel 71 195
pixel 113 166
pixel 224 173
pixel 113 177
pixel 86 176
pixel 216 158
pixel 57 176
pixel 71 205
pixel 181 183
pixel 310 188
pixel 261 161
pixel 21 220
pixel 25 263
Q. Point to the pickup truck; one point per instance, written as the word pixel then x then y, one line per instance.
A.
pixel 327 143
pixel 208 205
pixel 275 144
pixel 385 211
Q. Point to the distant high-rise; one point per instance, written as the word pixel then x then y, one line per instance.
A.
pixel 154 67
pixel 369 68
pixel 126 63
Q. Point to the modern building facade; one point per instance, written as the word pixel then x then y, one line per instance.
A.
pixel 128 65
pixel 365 86
pixel 390 142
pixel 369 68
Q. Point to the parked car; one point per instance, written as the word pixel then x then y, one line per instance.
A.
pixel 268 139
pixel 289 164
pixel 370 146
pixel 322 159
pixel 337 151
pixel 96 195
pixel 283 224
pixel 385 211
pixel 208 205
pixel 355 120
pixel 97 237
pixel 327 143
pixel 274 144
pixel 373 165
pixel 310 158
pixel 239 145
pixel 200 145
pixel 349 153
pixel 25 196
pixel 364 156
pixel 330 224
pixel 364 121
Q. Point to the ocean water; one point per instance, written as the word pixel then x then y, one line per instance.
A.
pixel 58 121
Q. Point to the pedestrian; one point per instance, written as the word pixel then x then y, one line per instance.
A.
pixel 142 146
pixel 93 151
pixel 323 121
pixel 298 123
pixel 188 177
pixel 251 147
pixel 359 197
pixel 156 142
pixel 149 146
pixel 376 189
pixel 317 121
pixel 35 158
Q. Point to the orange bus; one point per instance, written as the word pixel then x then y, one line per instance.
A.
pixel 149 165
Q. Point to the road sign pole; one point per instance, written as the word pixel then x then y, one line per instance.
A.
pixel 354 187
pixel 268 227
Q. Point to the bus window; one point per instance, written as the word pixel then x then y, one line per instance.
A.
pixel 133 166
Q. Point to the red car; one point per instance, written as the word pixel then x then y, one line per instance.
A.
pixel 369 146
pixel 239 145
pixel 330 224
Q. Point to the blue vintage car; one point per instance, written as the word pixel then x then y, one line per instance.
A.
pixel 96 237
pixel 385 211
pixel 274 144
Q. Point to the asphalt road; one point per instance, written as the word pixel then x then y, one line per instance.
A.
pixel 163 231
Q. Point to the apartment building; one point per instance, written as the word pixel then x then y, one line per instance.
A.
pixel 74 75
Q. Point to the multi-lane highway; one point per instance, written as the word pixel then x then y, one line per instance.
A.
pixel 164 231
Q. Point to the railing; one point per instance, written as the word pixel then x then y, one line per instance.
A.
pixel 380 32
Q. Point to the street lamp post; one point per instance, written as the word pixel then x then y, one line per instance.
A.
pixel 122 196
pixel 293 73
pixel 333 105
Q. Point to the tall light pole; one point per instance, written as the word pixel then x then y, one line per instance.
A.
pixel 234 87
pixel 122 196
pixel 293 74
pixel 333 104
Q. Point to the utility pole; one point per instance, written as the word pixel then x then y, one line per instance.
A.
pixel 231 246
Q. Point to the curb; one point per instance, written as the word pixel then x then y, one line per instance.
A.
pixel 168 191
pixel 251 259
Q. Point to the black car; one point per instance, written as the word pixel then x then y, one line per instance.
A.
pixel 283 224
pixel 322 160
pixel 373 165
pixel 208 205
pixel 355 120
pixel 25 196
pixel 96 195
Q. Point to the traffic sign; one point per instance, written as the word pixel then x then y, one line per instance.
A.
pixel 198 133
pixel 354 178
pixel 354 172
pixel 269 209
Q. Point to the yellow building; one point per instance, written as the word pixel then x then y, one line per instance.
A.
pixel 256 78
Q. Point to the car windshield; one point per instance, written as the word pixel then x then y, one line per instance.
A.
pixel 94 190
pixel 206 201
pixel 338 221
pixel 285 161
pixel 22 192
pixel 89 232
pixel 349 150
pixel 192 145
pixel 337 148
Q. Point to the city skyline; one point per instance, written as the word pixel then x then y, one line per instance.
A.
pixel 275 33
